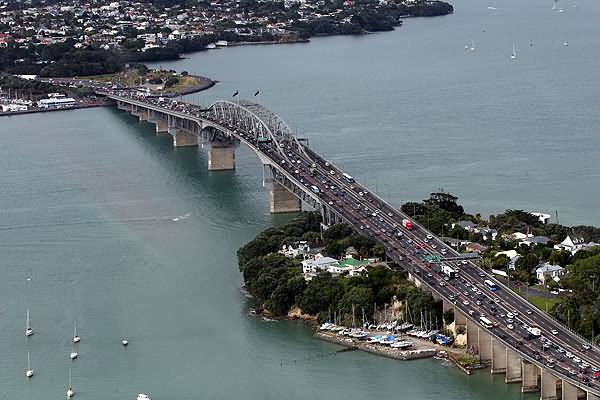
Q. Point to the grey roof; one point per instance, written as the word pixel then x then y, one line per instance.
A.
pixel 538 239
pixel 548 268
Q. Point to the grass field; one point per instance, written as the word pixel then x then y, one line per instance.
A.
pixel 542 303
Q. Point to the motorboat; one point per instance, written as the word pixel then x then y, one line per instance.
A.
pixel 29 372
pixel 143 396
pixel 76 338
pixel 70 390
pixel 28 329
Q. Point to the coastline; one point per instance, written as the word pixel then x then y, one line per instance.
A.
pixel 47 110
pixel 204 84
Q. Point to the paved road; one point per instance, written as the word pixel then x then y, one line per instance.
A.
pixel 568 355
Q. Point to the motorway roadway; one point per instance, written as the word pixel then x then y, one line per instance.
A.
pixel 557 348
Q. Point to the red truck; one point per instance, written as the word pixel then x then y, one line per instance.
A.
pixel 407 223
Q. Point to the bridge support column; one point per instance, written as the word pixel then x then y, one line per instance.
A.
pixel 446 306
pixel 143 114
pixel 283 201
pixel 513 367
pixel 484 344
pixel 221 158
pixel 592 396
pixel 162 126
pixel 472 337
pixel 498 357
pixel 569 391
pixel 460 321
pixel 531 374
pixel 548 386
pixel 123 106
pixel 183 138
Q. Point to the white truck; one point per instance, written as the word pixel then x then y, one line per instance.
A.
pixel 448 271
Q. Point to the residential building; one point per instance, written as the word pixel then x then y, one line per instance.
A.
pixel 572 244
pixel 547 272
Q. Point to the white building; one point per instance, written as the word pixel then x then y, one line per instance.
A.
pixel 56 102
pixel 13 107
pixel 546 272
pixel 350 266
pixel 571 244
pixel 295 249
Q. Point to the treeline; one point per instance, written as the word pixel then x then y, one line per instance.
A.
pixel 277 282
pixel 59 60
pixel 580 304
pixel 27 88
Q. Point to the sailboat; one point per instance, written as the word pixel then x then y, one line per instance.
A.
pixel 514 52
pixel 73 354
pixel 70 391
pixel 28 330
pixel 472 48
pixel 76 338
pixel 29 372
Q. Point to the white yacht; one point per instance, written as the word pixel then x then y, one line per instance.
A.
pixel 29 372
pixel 514 52
pixel 73 354
pixel 76 338
pixel 124 342
pixel 143 396
pixel 28 329
pixel 70 391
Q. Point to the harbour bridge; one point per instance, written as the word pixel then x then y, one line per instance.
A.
pixel 498 324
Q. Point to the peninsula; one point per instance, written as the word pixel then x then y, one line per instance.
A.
pixel 341 278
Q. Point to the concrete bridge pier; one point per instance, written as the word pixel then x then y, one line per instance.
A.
pixel 446 306
pixel 183 138
pixel 221 158
pixel 142 114
pixel 123 106
pixel 282 200
pixel 498 357
pixel 548 386
pixel 569 391
pixel 460 321
pixel 472 337
pixel 484 344
pixel 531 375
pixel 592 396
pixel 162 125
pixel 513 367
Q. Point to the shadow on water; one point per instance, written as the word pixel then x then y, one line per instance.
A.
pixel 191 164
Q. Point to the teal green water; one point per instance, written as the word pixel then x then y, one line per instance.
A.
pixel 88 198
pixel 87 204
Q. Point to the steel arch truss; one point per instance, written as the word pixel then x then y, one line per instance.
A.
pixel 256 120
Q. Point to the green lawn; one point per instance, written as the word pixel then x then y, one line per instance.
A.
pixel 543 303
pixel 540 302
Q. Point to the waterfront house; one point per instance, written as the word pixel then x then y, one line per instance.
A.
pixel 547 272
pixel 349 265
pixel 295 249
pixel 572 244
pixel 318 263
